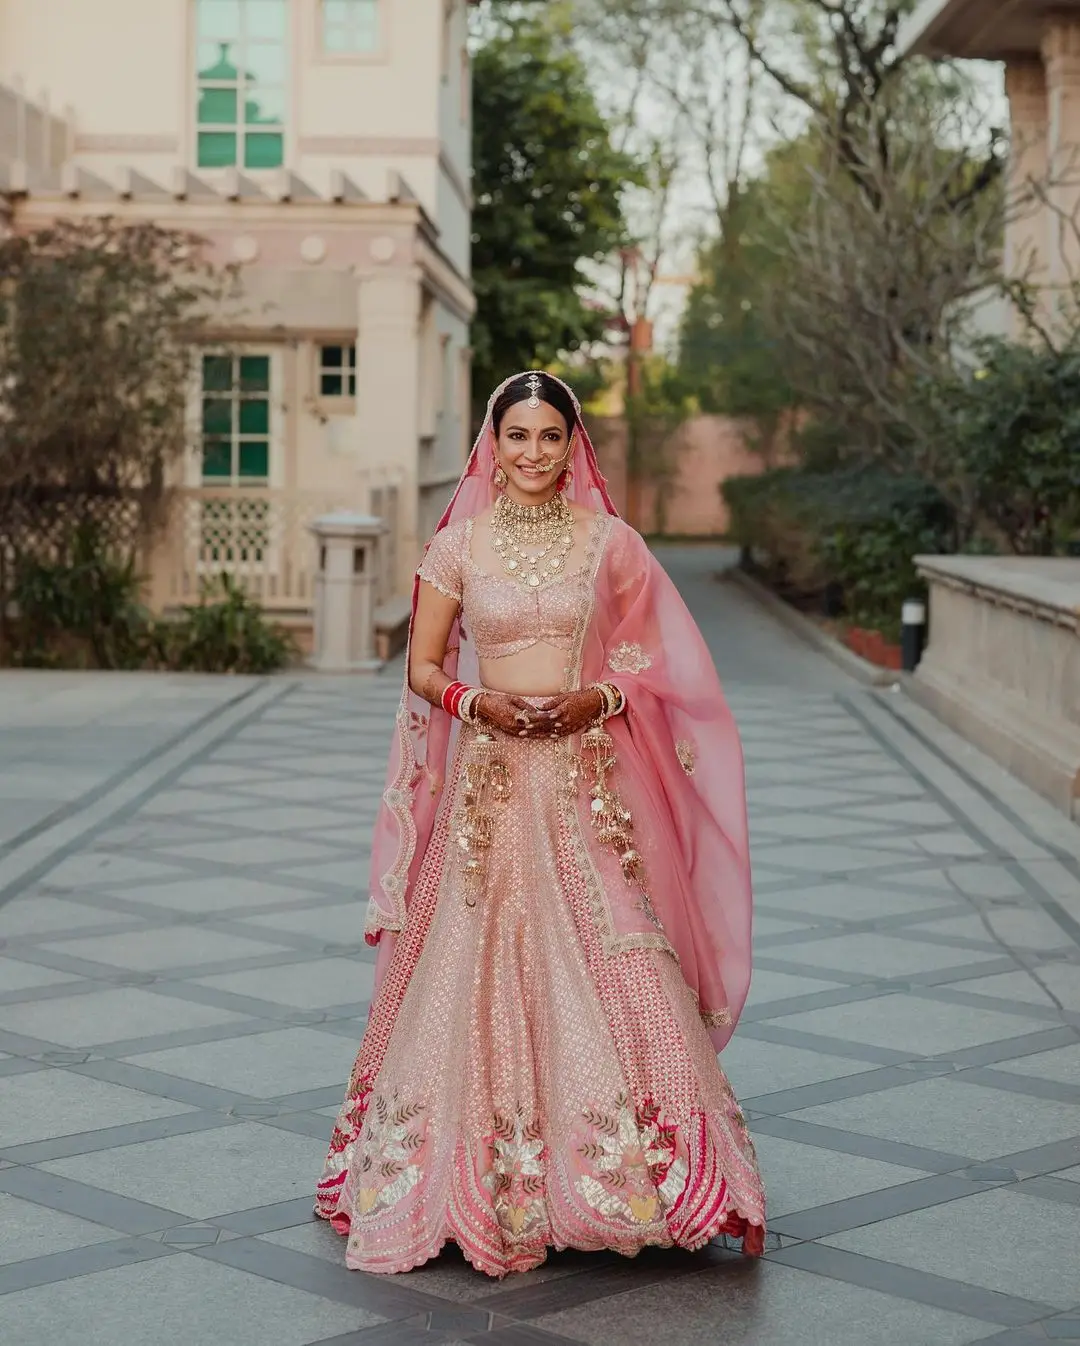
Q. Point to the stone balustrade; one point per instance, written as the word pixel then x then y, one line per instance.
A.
pixel 1003 663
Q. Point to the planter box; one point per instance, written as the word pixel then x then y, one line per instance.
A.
pixel 873 647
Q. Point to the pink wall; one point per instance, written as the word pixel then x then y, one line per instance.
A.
pixel 706 451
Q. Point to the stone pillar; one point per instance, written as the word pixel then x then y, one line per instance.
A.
pixel 1061 55
pixel 345 588
pixel 388 395
pixel 1025 241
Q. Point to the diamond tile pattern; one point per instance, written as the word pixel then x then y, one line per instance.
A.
pixel 183 982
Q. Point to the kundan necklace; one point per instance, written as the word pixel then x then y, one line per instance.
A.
pixel 546 530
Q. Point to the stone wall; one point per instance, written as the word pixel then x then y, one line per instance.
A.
pixel 1003 663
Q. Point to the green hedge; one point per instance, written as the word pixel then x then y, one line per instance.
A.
pixel 849 534
pixel 85 611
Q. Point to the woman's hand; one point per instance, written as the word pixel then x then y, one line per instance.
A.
pixel 512 714
pixel 570 714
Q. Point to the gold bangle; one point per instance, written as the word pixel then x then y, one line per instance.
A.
pixel 608 699
pixel 466 707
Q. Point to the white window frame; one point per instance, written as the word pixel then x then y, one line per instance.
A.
pixel 241 127
pixel 348 371
pixel 377 55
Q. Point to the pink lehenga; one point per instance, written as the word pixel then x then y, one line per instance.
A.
pixel 539 1068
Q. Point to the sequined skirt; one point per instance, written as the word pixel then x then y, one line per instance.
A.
pixel 517 1088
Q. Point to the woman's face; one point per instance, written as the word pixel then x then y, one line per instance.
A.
pixel 532 449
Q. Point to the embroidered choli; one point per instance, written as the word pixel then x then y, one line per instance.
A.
pixel 502 616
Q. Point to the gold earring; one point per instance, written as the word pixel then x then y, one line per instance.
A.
pixel 499 478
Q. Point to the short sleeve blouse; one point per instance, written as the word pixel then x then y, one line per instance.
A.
pixel 441 566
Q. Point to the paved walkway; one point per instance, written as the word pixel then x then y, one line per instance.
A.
pixel 183 984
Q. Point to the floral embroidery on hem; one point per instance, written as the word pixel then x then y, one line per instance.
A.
pixel 515 1177
pixel 636 1170
pixel 715 1018
pixel 684 750
pixel 390 1146
pixel 629 657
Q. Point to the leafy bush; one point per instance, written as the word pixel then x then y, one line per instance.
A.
pixel 85 611
pixel 1013 430
pixel 81 610
pixel 226 632
pixel 856 530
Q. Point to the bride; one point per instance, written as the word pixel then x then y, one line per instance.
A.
pixel 560 892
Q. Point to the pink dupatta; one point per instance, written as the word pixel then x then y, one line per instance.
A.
pixel 679 763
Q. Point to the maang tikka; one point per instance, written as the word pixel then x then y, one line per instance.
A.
pixel 534 385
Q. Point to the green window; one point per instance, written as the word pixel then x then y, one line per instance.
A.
pixel 337 371
pixel 236 420
pixel 241 62
pixel 350 27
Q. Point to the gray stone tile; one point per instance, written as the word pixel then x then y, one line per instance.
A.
pixel 992 1239
pixel 28 1231
pixel 800 1177
pixel 205 1174
pixel 350 874
pixel 1063 982
pixel 858 901
pixel 284 819
pixel 772 925
pixel 19 976
pixel 97 869
pixel 313 985
pixel 256 850
pixel 52 1103
pixel 108 1016
pixel 37 914
pixel 176 1301
pixel 888 957
pixel 296 1058
pixel 825 858
pixel 1020 985
pixel 150 951
pixel 220 892
pixel 756 1067
pixel 770 1303
pixel 768 985
pixel 919 1026
pixel 942 1114
pixel 1062 1065
pixel 315 1239
pixel 339 922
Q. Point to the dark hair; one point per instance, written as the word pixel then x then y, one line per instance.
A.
pixel 551 391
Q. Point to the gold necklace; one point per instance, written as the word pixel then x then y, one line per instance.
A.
pixel 546 528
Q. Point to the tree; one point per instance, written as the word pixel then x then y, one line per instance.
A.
pixel 98 322
pixel 548 184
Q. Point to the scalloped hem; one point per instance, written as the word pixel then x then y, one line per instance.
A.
pixel 731 1223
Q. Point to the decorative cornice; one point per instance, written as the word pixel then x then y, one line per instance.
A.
pixel 126 144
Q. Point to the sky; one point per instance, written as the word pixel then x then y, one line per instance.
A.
pixel 713 90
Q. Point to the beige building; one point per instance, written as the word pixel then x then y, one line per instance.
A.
pixel 324 146
pixel 1039 43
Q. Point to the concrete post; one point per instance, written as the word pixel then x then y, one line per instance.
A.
pixel 1025 241
pixel 345 592
pixel 1061 54
pixel 388 374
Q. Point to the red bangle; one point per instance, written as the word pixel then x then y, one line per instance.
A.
pixel 451 697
